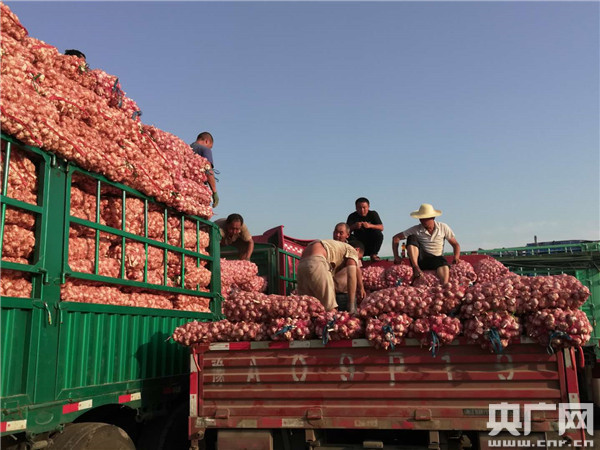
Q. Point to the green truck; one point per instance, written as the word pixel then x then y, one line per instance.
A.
pixel 87 368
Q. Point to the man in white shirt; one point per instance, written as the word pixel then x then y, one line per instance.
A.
pixel 425 244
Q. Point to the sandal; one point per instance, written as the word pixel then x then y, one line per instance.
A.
pixel 375 258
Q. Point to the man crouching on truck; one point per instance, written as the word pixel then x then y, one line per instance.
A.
pixel 318 264
pixel 234 232
pixel 425 244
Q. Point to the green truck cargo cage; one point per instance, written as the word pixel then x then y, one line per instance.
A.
pixel 63 359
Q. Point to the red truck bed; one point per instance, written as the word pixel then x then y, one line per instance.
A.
pixel 351 385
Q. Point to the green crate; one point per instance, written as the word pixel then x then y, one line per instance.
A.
pixel 56 354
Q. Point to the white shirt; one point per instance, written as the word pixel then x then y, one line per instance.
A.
pixel 431 243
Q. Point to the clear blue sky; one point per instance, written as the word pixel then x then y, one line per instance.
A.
pixel 489 111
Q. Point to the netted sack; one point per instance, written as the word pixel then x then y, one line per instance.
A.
pixel 14 283
pixel 387 330
pixel 397 275
pixel 288 329
pixel 489 269
pixel 337 326
pixel 492 330
pixel 191 303
pixel 498 295
pixel 434 331
pixel 462 273
pixel 559 328
pixel 372 277
pixel 553 291
pixel 17 242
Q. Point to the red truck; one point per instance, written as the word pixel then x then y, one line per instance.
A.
pixel 347 394
pixel 290 395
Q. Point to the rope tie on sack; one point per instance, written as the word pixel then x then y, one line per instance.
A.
pixel 285 329
pixel 327 329
pixel 435 343
pixel 389 335
pixel 494 337
pixel 34 83
pixel 556 335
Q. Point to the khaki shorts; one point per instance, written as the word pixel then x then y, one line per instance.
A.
pixel 315 278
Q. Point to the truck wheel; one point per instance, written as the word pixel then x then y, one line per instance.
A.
pixel 91 436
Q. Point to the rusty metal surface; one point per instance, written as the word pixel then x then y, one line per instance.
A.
pixel 357 386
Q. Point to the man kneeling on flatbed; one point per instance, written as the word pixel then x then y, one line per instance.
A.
pixel 318 264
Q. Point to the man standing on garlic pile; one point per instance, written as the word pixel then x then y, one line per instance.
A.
pixel 203 147
pixel 425 244
pixel 317 266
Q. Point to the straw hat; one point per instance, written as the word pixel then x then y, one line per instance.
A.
pixel 425 212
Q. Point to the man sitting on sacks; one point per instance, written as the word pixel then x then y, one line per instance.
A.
pixel 425 244
pixel 234 232
pixel 318 264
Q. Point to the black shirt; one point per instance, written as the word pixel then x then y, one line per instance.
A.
pixel 371 217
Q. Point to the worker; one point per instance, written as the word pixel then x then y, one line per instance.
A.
pixel 319 262
pixel 203 146
pixel 73 52
pixel 341 233
pixel 425 244
pixel 235 232
pixel 366 226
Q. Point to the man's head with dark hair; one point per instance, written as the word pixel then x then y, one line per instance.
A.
pixel 73 52
pixel 205 136
pixel 362 206
pixel 235 218
pixel 359 246
pixel 233 225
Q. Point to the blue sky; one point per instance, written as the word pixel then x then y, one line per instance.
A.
pixel 487 110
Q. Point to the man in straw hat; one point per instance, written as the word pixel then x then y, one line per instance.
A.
pixel 425 244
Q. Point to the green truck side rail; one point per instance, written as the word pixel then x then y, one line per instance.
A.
pixel 62 359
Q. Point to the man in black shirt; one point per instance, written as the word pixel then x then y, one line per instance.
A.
pixel 366 226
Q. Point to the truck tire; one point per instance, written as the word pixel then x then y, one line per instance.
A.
pixel 91 436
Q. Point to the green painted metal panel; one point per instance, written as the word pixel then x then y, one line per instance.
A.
pixel 15 320
pixel 98 348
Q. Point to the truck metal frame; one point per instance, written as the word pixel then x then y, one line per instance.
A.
pixel 60 359
pixel 349 385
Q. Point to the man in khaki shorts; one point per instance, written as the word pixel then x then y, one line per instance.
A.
pixel 317 266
